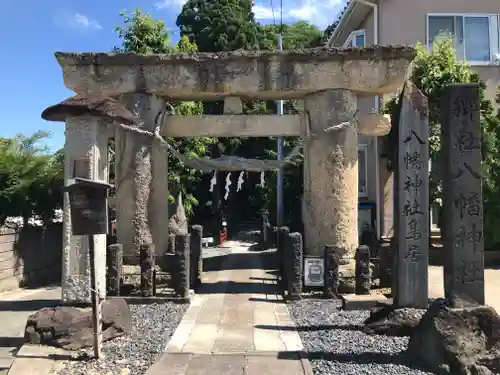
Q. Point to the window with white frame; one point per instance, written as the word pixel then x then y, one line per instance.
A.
pixel 475 35
pixel 356 39
pixel 363 171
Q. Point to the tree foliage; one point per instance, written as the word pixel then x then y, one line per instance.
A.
pixel 296 36
pixel 220 25
pixel 142 34
pixel 31 179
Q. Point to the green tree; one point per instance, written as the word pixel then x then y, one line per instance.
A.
pixel 31 179
pixel 296 36
pixel 220 25
pixel 143 34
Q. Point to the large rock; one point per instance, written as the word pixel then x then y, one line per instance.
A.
pixel 387 319
pixel 71 327
pixel 458 341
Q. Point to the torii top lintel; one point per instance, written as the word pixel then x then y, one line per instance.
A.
pixel 264 75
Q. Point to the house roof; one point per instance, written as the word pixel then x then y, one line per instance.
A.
pixel 354 13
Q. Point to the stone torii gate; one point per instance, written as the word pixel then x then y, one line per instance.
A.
pixel 328 80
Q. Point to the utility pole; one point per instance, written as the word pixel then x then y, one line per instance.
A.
pixel 279 185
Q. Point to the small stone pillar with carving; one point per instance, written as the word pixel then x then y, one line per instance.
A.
pixel 196 261
pixel 114 268
pixel 147 260
pixel 293 250
pixel 331 273
pixel 363 272
pixel 264 229
pixel 180 272
pixel 282 233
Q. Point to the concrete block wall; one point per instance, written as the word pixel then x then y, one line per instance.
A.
pixel 30 256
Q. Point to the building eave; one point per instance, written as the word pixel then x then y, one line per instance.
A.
pixel 355 11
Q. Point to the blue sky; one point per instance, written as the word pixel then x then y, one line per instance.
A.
pixel 32 30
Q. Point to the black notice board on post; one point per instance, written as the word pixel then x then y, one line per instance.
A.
pixel 89 208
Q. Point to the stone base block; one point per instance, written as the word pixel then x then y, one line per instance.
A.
pixel 362 302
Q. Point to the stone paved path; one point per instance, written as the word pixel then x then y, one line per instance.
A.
pixel 15 307
pixel 237 323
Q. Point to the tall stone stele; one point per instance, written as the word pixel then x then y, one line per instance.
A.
pixel 411 203
pixel 463 238
pixel 88 120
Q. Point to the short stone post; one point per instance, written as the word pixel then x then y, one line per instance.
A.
pixel 293 250
pixel 411 219
pixel 363 272
pixel 196 261
pixel 114 268
pixel 462 201
pixel 385 264
pixel 331 273
pixel 264 229
pixel 147 262
pixel 180 273
pixel 282 233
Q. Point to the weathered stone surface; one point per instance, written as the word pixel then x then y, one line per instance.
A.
pixel 233 105
pixel 141 180
pixel 91 105
pixel 147 261
pixel 461 341
pixel 177 222
pixel 71 327
pixel 294 251
pixel 86 155
pixel 331 274
pixel 363 271
pixel 196 261
pixel 385 264
pixel 260 125
pixel 462 203
pixel 180 272
pixel 411 220
pixel 347 278
pixel 330 202
pixel 374 124
pixel 247 74
pixel 361 301
pixel 114 269
pixel 264 239
pixel 388 319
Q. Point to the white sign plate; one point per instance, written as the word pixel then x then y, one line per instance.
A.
pixel 314 269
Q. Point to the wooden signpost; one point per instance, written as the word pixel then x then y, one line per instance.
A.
pixel 89 216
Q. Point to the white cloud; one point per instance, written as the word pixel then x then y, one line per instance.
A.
pixel 76 21
pixel 319 12
pixel 166 4
pixel 263 13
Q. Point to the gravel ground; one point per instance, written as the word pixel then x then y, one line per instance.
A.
pixel 336 345
pixel 152 327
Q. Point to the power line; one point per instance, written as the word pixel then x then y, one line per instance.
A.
pixel 281 16
pixel 272 9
